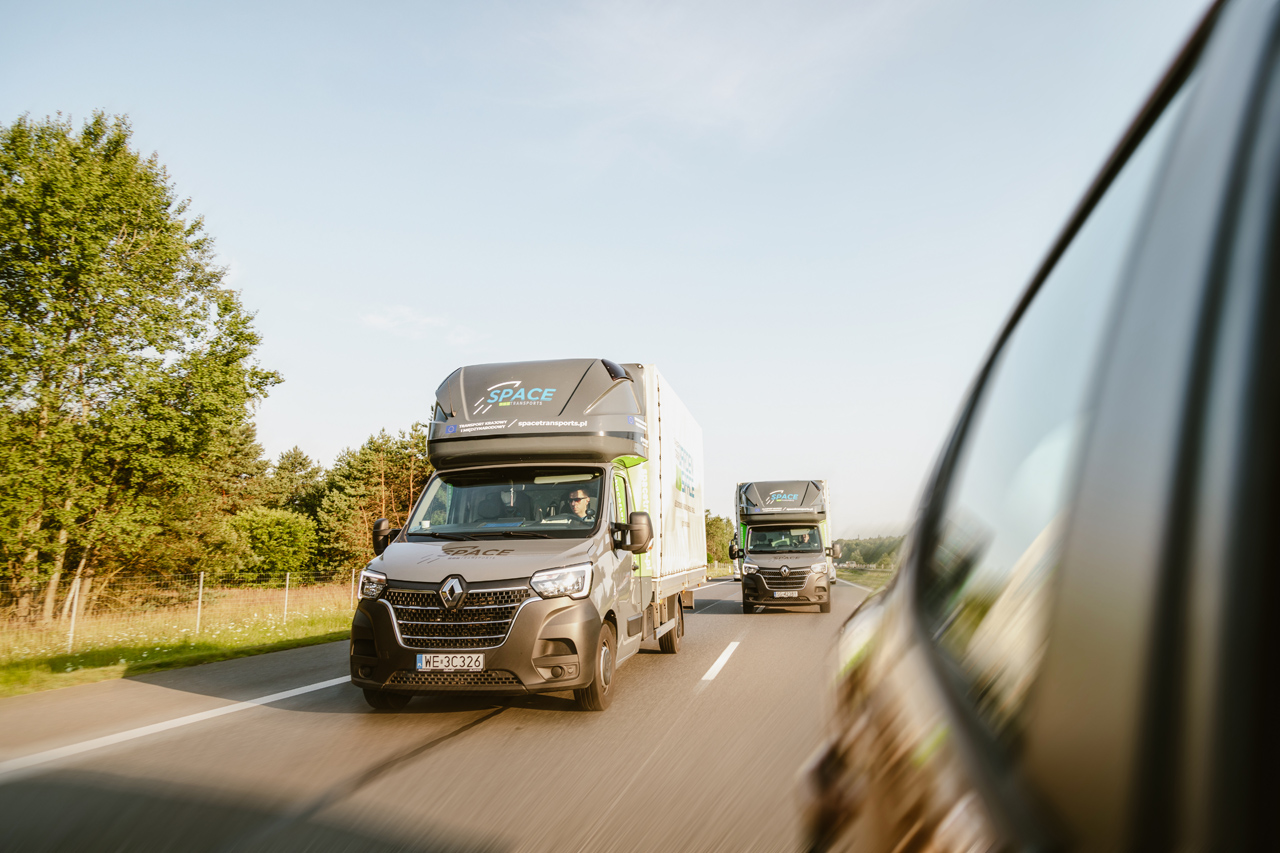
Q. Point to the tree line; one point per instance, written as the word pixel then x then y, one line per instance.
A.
pixel 879 551
pixel 127 386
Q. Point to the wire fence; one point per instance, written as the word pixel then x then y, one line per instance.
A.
pixel 179 609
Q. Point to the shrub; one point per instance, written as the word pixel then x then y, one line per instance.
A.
pixel 279 540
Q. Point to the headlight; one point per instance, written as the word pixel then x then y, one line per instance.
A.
pixel 817 568
pixel 748 568
pixel 573 581
pixel 372 583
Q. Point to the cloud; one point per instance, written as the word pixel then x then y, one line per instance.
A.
pixel 402 321
pixel 747 69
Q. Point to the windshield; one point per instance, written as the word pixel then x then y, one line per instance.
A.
pixel 542 502
pixel 775 540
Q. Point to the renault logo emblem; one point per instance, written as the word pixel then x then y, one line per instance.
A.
pixel 452 592
pixel 784 571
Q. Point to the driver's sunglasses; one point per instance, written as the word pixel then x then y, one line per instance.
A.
pixel 575 500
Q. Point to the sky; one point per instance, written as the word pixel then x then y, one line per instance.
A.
pixel 812 217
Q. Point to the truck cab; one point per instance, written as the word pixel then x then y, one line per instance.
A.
pixel 783 544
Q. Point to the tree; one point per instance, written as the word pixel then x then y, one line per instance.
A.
pixel 296 483
pixel 381 479
pixel 719 537
pixel 279 542
pixel 125 368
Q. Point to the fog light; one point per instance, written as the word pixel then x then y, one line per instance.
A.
pixel 557 672
pixel 365 671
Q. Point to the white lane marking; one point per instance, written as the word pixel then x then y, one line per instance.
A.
pixel 26 762
pixel 720 662
pixel 851 583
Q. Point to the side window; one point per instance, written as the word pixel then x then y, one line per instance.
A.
pixel 986 588
pixel 620 498
pixel 438 511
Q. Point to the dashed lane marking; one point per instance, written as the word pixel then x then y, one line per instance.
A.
pixel 720 661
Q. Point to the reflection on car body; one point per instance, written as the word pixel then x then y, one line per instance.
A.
pixel 1072 654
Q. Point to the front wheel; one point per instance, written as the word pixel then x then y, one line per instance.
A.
pixel 670 641
pixel 597 695
pixel 380 700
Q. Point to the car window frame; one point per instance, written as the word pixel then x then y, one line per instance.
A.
pixel 990 764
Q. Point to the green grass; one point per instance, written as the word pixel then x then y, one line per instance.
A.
pixel 721 570
pixel 871 578
pixel 105 662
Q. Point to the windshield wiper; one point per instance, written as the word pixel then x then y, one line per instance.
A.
pixel 453 537
pixel 515 534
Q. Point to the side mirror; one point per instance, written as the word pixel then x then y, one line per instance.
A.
pixel 831 551
pixel 640 528
pixel 381 535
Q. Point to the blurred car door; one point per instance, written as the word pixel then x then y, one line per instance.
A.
pixel 1073 652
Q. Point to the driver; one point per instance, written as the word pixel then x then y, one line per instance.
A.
pixel 580 506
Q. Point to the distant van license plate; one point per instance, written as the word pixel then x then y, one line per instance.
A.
pixel 792 594
pixel 450 663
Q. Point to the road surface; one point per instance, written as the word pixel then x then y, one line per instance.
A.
pixel 699 751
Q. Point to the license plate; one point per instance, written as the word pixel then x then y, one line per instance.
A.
pixel 792 594
pixel 451 663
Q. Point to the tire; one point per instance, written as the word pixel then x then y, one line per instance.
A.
pixel 748 607
pixel 597 695
pixel 670 641
pixel 825 607
pixel 381 700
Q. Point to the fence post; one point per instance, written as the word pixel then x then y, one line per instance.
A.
pixel 286 597
pixel 74 598
pixel 199 603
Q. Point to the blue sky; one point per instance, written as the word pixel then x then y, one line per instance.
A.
pixel 813 217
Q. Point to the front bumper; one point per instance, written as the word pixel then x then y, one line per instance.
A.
pixel 816 590
pixel 546 636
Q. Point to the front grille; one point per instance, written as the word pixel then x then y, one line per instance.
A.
pixel 774 580
pixel 481 622
pixel 488 678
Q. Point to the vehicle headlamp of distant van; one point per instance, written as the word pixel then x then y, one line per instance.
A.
pixel 748 568
pixel 372 584
pixel 573 581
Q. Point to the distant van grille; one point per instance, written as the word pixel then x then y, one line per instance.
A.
pixel 774 580
pixel 481 622
pixel 488 678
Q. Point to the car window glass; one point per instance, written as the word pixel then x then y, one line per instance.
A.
pixel 986 587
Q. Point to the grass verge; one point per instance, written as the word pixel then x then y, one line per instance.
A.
pixel 873 579
pixel 30 675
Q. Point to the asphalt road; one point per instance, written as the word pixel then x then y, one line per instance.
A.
pixel 186 761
